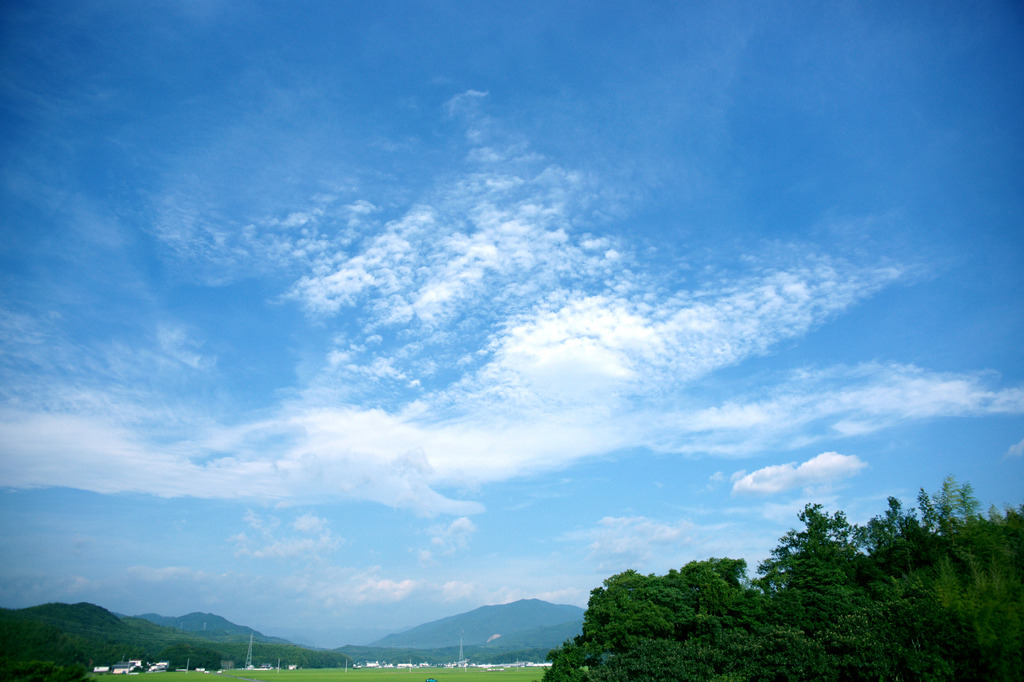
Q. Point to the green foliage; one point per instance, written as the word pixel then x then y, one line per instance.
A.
pixel 824 550
pixel 37 671
pixel 894 541
pixel 567 663
pixel 777 653
pixel 948 511
pixel 653 660
pixel 371 675
pixel 190 656
pixel 28 641
pixel 929 594
pixel 629 608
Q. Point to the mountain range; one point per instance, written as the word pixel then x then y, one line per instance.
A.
pixel 86 634
pixel 527 623
pixel 209 626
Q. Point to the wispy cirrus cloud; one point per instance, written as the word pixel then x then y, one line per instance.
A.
pixel 485 330
pixel 400 458
pixel 811 405
pixel 311 538
pixel 503 232
pixel 494 282
pixel 626 541
pixel 612 344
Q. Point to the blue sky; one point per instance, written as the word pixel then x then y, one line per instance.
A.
pixel 336 318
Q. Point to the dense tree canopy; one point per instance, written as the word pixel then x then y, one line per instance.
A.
pixel 39 671
pixel 935 593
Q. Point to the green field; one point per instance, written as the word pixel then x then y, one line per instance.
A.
pixel 367 675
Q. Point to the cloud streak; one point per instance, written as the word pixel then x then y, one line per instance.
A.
pixel 400 459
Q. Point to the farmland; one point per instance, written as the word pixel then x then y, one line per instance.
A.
pixel 372 675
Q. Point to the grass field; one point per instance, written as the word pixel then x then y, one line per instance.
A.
pixel 366 675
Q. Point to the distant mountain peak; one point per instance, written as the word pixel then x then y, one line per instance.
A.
pixel 498 623
pixel 209 625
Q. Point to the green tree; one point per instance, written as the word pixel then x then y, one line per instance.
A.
pixel 180 655
pixel 712 586
pixel 776 653
pixel 627 609
pixel 811 576
pixel 935 595
pixel 567 663
pixel 947 511
pixel 40 671
pixel 653 660
pixel 979 583
pixel 895 541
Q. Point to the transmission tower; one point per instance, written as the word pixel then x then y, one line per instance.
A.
pixel 248 656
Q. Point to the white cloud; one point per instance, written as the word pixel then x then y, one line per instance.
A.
pixel 334 586
pixel 308 452
pixel 454 536
pixel 1016 450
pixel 487 333
pixel 175 343
pixel 448 539
pixel 823 470
pixel 494 234
pixel 310 523
pixel 713 481
pixel 459 590
pixel 603 347
pixel 292 548
pixel 314 542
pixel 822 405
pixel 40 449
pixel 466 101
pixel 266 525
pixel 623 542
pixel 358 212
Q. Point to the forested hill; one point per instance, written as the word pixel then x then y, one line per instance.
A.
pixel 210 626
pixel 524 623
pixel 932 593
pixel 89 635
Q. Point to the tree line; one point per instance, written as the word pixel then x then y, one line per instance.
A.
pixel 934 592
pixel 58 638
